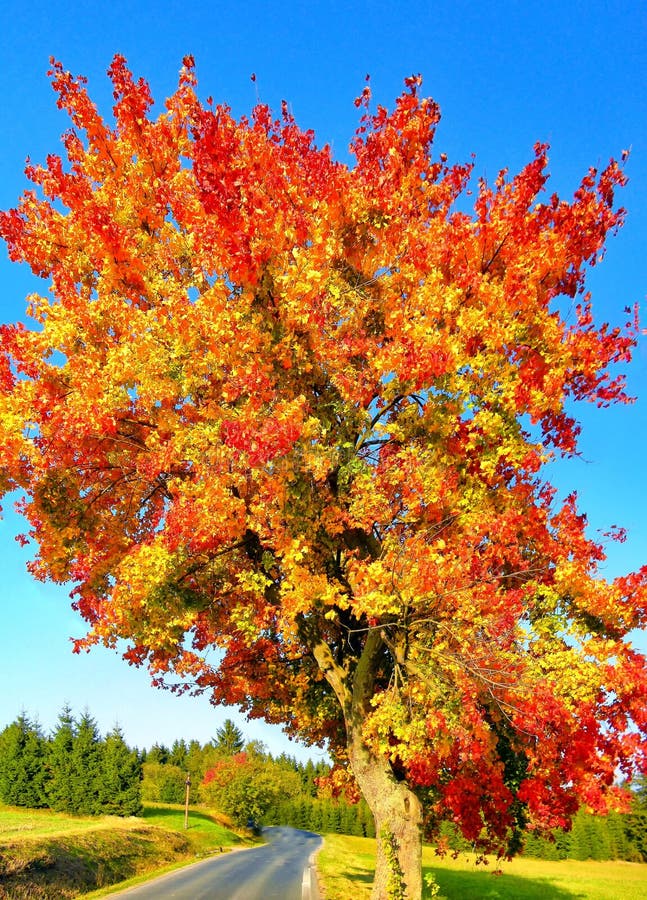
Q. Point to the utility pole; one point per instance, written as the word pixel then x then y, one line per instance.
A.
pixel 186 802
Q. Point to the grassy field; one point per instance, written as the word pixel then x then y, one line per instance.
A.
pixel 346 865
pixel 208 830
pixel 47 855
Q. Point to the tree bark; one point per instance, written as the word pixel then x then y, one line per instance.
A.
pixel 395 808
pixel 398 826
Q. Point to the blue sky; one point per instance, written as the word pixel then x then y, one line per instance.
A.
pixel 506 74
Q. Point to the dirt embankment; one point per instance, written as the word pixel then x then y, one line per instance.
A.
pixel 70 865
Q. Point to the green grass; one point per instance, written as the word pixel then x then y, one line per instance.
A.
pixel 18 823
pixel 46 855
pixel 346 868
pixel 207 831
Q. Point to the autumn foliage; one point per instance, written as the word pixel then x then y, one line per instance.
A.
pixel 284 424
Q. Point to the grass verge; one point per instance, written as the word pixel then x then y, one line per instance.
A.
pixel 346 867
pixel 50 856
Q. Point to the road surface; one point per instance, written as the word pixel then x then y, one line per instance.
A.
pixel 278 870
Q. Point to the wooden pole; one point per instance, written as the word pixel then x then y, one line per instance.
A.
pixel 186 802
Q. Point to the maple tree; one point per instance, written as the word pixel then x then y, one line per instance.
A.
pixel 284 422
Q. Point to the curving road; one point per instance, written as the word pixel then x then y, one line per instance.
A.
pixel 278 870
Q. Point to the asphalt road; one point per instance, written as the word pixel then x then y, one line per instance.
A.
pixel 278 870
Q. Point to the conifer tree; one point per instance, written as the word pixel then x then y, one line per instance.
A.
pixel 194 748
pixel 308 779
pixel 316 816
pixel 637 820
pixel 229 738
pixel 619 845
pixel 562 845
pixel 120 783
pixel 368 823
pixel 22 771
pixel 59 761
pixel 334 819
pixel 85 768
pixel 178 754
pixel 158 753
pixel 198 760
pixel 347 818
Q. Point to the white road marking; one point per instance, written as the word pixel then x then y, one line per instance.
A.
pixel 308 879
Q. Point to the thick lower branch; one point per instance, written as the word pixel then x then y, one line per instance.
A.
pixel 334 674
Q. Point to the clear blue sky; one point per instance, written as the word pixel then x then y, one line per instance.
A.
pixel 506 74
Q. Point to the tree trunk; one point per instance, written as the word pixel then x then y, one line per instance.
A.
pixel 395 808
pixel 398 826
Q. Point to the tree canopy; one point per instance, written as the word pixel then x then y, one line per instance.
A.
pixel 299 413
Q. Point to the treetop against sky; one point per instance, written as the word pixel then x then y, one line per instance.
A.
pixel 525 78
pixel 286 423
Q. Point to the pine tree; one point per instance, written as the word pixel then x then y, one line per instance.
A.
pixel 59 762
pixel 229 738
pixel 120 782
pixel 158 753
pixel 194 746
pixel 589 840
pixel 603 845
pixel 562 845
pixel 581 845
pixel 22 769
pixel 636 822
pixel 178 754
pixel 334 822
pixel 85 770
pixel 346 818
pixel 537 846
pixel 357 826
pixel 198 760
pixel 366 816
pixel 316 816
pixel 618 842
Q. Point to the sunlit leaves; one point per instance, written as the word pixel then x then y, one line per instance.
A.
pixel 283 424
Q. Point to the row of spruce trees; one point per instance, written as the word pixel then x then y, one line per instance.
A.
pixel 323 816
pixel 614 836
pixel 73 770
